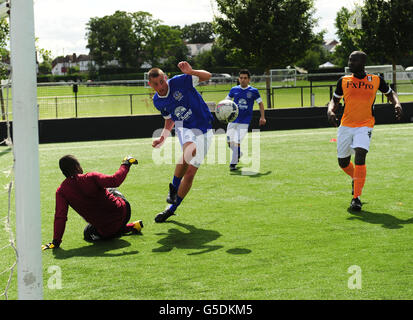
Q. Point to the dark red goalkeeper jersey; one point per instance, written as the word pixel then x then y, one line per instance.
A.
pixel 87 195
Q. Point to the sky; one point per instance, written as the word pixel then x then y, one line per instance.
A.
pixel 60 25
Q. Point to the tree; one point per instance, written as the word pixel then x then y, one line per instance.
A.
pixel 144 28
pixel 387 30
pixel 315 55
pixel 134 38
pixel 45 66
pixel 201 32
pixel 4 53
pixel 110 37
pixel 269 33
pixel 350 37
pixel 44 57
pixel 166 47
pixel 218 56
pixel 122 36
pixel 384 34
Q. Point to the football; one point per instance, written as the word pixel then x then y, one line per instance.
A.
pixel 226 111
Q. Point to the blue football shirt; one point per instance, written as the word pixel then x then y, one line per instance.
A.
pixel 244 98
pixel 184 103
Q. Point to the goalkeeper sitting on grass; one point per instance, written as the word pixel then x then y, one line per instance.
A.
pixel 94 197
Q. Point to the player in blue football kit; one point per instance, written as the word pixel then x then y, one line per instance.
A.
pixel 183 107
pixel 244 96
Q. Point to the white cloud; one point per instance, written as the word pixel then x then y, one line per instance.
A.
pixel 326 13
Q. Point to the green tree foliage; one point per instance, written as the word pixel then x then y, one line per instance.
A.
pixel 349 36
pixel 387 30
pixel 219 57
pixel 385 33
pixel 202 32
pixel 315 55
pixel 166 47
pixel 134 38
pixel 4 53
pixel 267 33
pixel 144 29
pixel 111 37
pixel 121 36
pixel 45 63
pixel 270 33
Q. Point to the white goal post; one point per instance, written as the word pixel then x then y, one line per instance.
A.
pixel 25 149
pixel 146 80
pixel 283 77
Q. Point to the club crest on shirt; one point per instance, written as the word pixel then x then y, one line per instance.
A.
pixel 249 95
pixel 177 95
pixel 242 104
pixel 182 113
pixel 369 78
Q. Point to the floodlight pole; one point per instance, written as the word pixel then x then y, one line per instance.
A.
pixel 26 153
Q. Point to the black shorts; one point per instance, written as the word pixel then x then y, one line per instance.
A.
pixel 90 233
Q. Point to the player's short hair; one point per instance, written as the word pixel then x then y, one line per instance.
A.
pixel 361 55
pixel 69 165
pixel 154 73
pixel 245 71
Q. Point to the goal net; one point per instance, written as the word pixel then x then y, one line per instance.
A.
pixel 283 77
pixel 8 250
pixel 146 80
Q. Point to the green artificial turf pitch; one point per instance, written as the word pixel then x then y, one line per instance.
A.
pixel 283 233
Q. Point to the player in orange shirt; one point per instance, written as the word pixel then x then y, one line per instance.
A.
pixel 359 92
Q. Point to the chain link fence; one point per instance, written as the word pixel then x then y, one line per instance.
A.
pixel 134 97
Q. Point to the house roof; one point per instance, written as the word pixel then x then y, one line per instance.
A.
pixel 197 48
pixel 330 44
pixel 71 58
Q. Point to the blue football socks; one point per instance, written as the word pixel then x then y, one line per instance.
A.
pixel 173 207
pixel 176 182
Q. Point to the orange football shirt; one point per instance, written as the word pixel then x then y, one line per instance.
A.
pixel 359 96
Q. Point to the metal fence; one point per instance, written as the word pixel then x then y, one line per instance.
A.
pixel 120 98
pixel 95 105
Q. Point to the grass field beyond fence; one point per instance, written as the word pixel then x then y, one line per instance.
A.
pixel 282 233
pixel 117 99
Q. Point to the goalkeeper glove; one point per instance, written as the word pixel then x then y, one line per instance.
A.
pixel 129 161
pixel 51 245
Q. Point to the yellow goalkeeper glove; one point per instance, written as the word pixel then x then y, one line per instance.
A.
pixel 128 160
pixel 50 245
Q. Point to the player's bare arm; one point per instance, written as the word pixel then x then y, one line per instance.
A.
pixel 394 99
pixel 332 109
pixel 186 68
pixel 169 124
pixel 262 121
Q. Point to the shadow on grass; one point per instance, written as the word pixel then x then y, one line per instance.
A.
pixel 97 249
pixel 250 174
pixel 386 220
pixel 238 251
pixel 196 239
